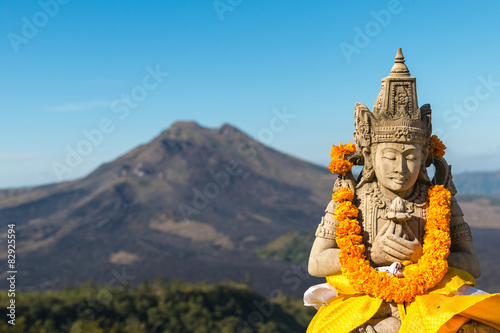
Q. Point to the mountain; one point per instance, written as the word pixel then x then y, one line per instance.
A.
pixel 194 203
pixel 478 183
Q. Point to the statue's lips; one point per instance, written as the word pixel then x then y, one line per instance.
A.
pixel 399 181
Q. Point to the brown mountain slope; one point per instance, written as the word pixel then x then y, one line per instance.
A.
pixel 194 203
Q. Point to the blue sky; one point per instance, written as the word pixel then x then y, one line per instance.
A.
pixel 67 66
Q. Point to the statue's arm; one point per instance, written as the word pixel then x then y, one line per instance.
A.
pixel 324 257
pixel 463 254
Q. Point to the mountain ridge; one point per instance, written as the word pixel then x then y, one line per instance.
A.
pixel 130 208
pixel 478 183
pixel 193 203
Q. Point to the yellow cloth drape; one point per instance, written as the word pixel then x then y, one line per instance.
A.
pixel 438 311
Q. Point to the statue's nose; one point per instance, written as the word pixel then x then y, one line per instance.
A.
pixel 400 166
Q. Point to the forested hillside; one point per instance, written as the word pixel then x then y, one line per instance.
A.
pixel 156 307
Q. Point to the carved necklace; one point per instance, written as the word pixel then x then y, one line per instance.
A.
pixel 381 208
pixel 417 278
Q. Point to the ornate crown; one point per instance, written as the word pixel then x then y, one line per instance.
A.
pixel 396 116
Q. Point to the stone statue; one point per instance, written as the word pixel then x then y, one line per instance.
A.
pixel 391 194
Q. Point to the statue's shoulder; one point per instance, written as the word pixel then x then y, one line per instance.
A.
pixel 330 209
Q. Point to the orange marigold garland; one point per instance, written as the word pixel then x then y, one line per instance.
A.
pixel 419 277
pixel 436 147
pixel 342 194
pixel 339 164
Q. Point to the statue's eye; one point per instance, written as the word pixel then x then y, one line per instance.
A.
pixel 411 157
pixel 390 157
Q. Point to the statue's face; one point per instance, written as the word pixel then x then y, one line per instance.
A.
pixel 397 166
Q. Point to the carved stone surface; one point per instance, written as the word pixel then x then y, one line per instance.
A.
pixel 391 193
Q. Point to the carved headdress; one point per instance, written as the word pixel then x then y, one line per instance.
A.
pixel 396 116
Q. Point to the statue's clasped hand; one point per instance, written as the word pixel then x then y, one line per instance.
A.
pixel 395 242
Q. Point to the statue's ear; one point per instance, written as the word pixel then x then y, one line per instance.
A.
pixel 425 112
pixel 357 158
pixel 364 158
pixel 443 173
